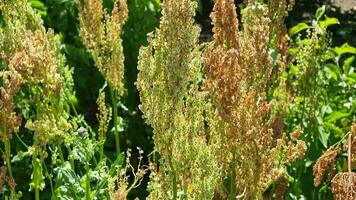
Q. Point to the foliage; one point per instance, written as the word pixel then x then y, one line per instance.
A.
pixel 320 79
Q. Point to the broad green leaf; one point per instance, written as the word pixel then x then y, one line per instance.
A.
pixel 347 64
pixel 328 22
pixel 297 28
pixel 345 48
pixel 334 68
pixel 336 115
pixel 319 12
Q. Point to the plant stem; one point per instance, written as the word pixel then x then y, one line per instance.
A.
pixel 36 173
pixel 87 187
pixel 37 194
pixel 174 184
pixel 115 115
pixel 349 154
pixel 8 154
pixel 50 179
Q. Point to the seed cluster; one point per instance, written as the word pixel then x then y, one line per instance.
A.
pixel 101 34
pixel 32 59
pixel 239 69
pixel 173 104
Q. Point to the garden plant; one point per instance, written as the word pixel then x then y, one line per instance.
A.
pixel 175 99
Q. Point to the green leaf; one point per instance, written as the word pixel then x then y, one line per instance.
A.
pixel 37 176
pixel 19 156
pixel 336 115
pixel 199 8
pixel 117 163
pixel 39 7
pixel 319 12
pixel 333 70
pixel 328 22
pixel 345 48
pixel 37 4
pixel 347 64
pixel 336 130
pixel 329 54
pixel 323 136
pixel 352 77
pixel 297 28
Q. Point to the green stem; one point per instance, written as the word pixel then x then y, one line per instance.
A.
pixel 61 154
pixel 101 152
pixel 174 184
pixel 36 172
pixel 8 154
pixel 37 194
pixel 21 141
pixel 50 179
pixel 115 115
pixel 87 187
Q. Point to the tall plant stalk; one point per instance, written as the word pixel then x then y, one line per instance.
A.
pixel 115 116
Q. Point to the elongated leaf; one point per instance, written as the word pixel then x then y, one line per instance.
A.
pixel 19 156
pixel 345 48
pixel 323 136
pixel 335 130
pixel 333 70
pixel 336 115
pixel 319 12
pixel 328 22
pixel 297 28
pixel 347 64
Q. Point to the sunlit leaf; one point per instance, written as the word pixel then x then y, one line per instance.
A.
pixel 328 22
pixel 297 28
pixel 345 48
pixel 347 64
pixel 336 115
pixel 320 12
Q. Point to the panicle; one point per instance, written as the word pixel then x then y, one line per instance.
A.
pixel 174 105
pixel 104 116
pixel 119 186
pixel 225 22
pixel 240 70
pixel 325 163
pixel 32 54
pixel 344 186
pixel 101 34
pixel 9 119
